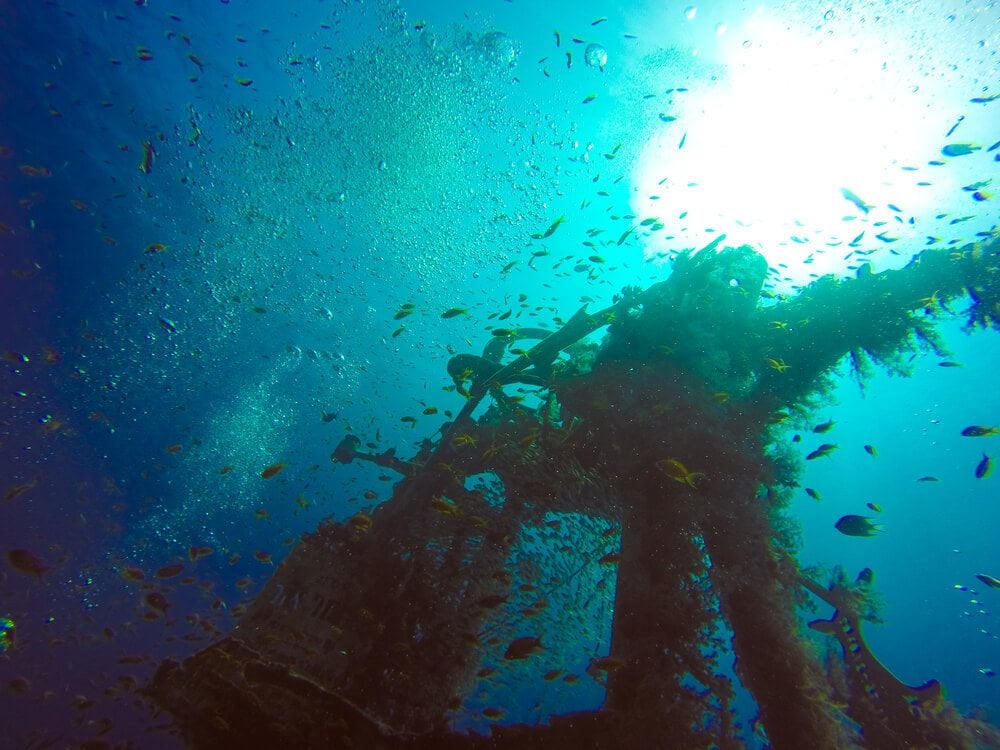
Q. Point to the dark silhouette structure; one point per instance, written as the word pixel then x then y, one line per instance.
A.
pixel 651 456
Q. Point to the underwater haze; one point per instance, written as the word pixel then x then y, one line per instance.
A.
pixel 233 233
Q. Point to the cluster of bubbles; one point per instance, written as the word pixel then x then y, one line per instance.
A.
pixel 595 56
pixel 499 49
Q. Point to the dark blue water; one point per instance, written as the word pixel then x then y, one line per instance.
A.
pixel 211 214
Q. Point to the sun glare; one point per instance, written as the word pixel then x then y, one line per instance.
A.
pixel 767 151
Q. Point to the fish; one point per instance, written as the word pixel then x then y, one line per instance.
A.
pixel 949 363
pixel 27 562
pixel 360 521
pixel 852 525
pixel 870 450
pixel 522 648
pixel 157 601
pixel 824 450
pixel 444 506
pixel 960 149
pixel 454 312
pixel 131 573
pixel 990 581
pixel 875 507
pixel 155 247
pixel 813 493
pixel 492 601
pixel 589 98
pixel 777 364
pixel 853 198
pixel 928 479
pixel 270 471
pixel 984 467
pixel 552 228
pixel 677 471
pixel 979 431
pixel 865 577
pixel 148 156
pixel 19 489
pixel 169 571
pixel 824 427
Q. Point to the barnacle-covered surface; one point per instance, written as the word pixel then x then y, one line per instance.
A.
pixel 646 470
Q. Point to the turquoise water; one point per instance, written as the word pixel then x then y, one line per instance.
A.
pixel 233 300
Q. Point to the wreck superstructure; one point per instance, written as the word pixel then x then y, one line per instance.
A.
pixel 652 454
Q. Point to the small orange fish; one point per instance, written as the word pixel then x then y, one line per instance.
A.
pixel 27 562
pixel 273 469
pixel 32 170
pixel 522 648
pixel 360 522
pixel 155 247
pixel 196 553
pixel 261 513
pixel 169 571
pixel 79 205
pixel 225 469
pixel 143 53
pixel 261 556
pixel 157 601
pixel 131 573
pixel 174 449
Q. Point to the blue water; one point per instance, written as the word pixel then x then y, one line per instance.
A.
pixel 318 166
